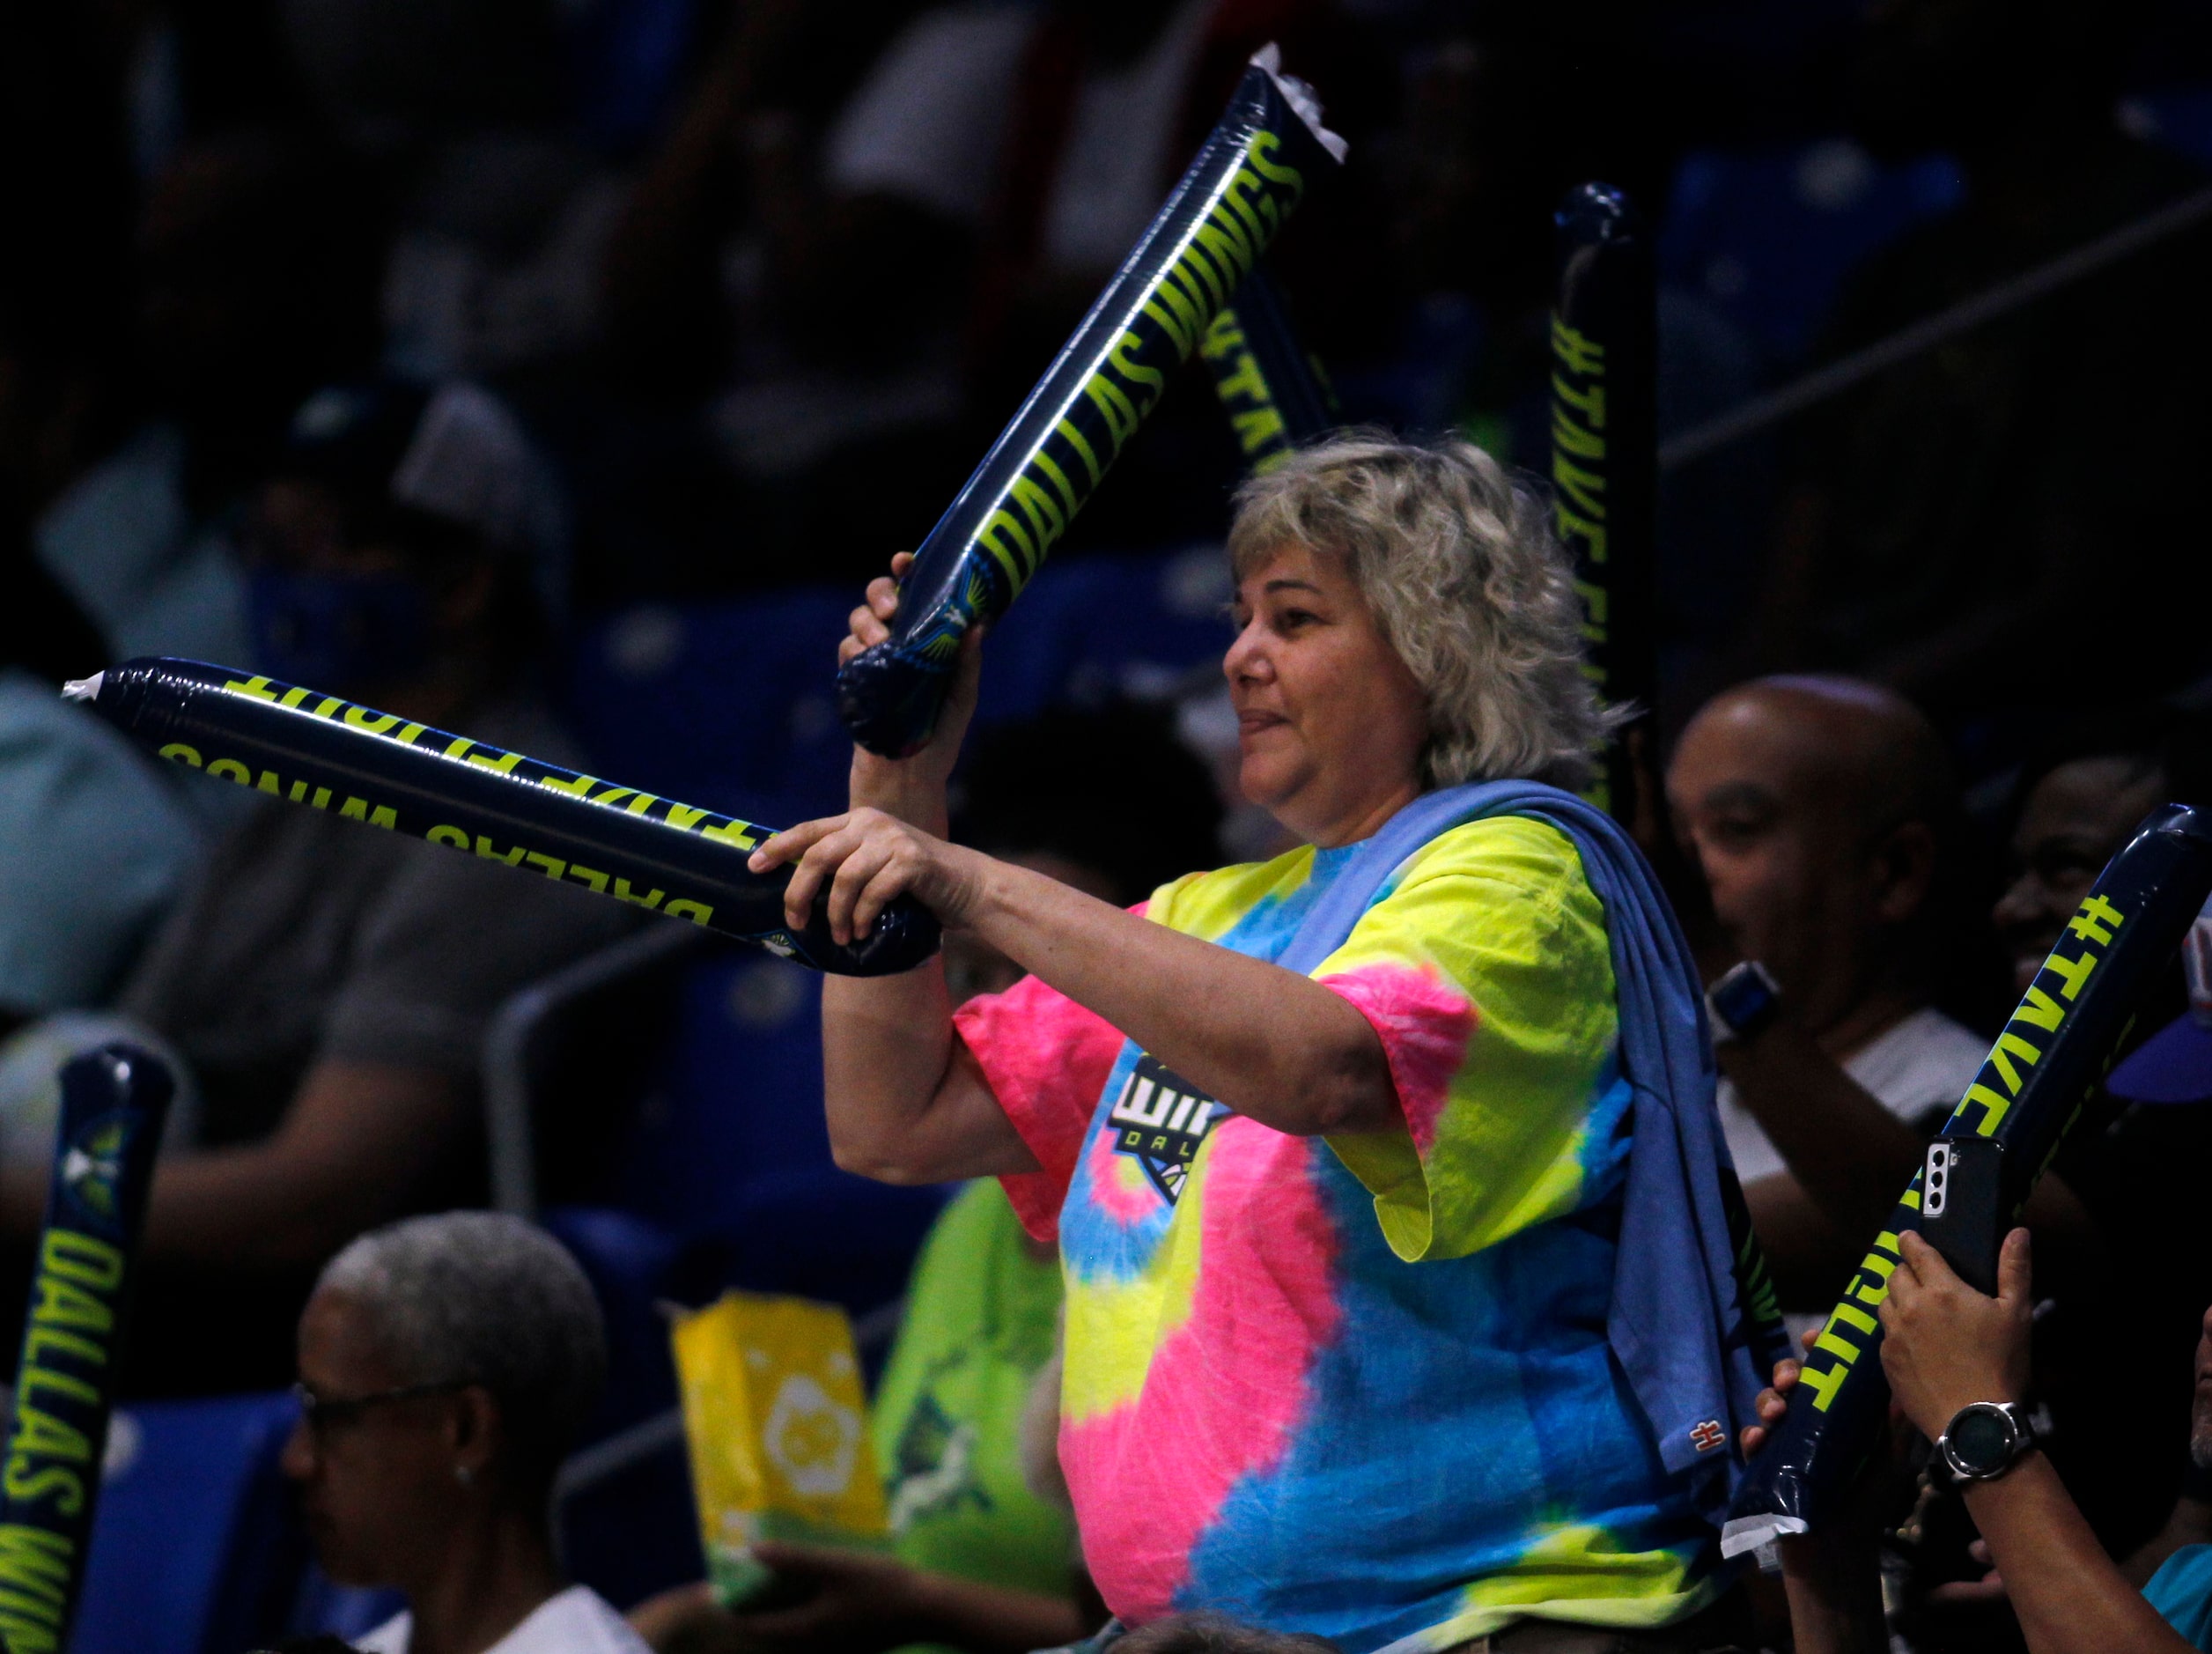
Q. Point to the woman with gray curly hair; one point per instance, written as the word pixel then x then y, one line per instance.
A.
pixel 446 1365
pixel 1400 1307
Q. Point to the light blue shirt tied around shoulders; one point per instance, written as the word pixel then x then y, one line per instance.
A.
pixel 1694 1354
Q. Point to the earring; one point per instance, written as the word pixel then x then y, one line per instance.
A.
pixel 464 1476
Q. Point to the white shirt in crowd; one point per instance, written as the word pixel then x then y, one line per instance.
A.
pixel 1925 1061
pixel 579 1620
pixel 929 122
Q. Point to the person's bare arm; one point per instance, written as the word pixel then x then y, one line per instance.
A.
pixel 1849 1158
pixel 359 1145
pixel 1945 1345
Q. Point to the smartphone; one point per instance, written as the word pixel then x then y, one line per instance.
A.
pixel 1963 1212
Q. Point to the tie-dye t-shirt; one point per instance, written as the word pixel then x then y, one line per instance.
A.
pixel 1359 1386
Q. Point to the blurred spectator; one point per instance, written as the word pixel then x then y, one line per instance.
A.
pixel 327 985
pixel 445 1364
pixel 1947 1348
pixel 256 261
pixel 1825 820
pixel 1951 521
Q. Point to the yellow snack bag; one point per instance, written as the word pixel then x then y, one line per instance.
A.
pixel 777 1430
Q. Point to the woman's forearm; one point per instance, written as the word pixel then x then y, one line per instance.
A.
pixel 1272 1044
pixel 2070 1597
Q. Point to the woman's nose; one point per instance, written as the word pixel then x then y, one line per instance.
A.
pixel 1246 657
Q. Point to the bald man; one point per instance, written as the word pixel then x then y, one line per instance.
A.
pixel 1817 809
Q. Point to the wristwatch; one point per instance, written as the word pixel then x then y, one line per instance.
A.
pixel 1742 1002
pixel 1985 1439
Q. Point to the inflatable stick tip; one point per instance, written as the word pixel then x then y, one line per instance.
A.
pixel 83 689
pixel 1301 98
pixel 1755 1532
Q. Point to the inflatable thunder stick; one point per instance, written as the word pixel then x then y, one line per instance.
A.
pixel 384 772
pixel 1270 388
pixel 1250 175
pixel 2030 1090
pixel 1604 445
pixel 112 1102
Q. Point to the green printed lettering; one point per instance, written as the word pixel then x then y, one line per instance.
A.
pixel 1581 486
pixel 2010 1046
pixel 575 786
pixel 328 705
pixel 513 858
pixel 697 912
pixel 30 1379
pixel 623 893
pixel 24 1480
pixel 232 770
pixel 684 816
pixel 2039 1010
pixel 1835 1343
pixel 1003 536
pixel 452 837
pixel 1568 435
pixel 1245 382
pixel 1137 372
pixel 503 763
pixel 1993 1107
pixel 553 865
pixel 375 723
pixel 35 1560
pixel 269 784
pixel 2095 921
pixel 1591 402
pixel 358 809
pixel 294 697
pixel 1261 158
pixel 1206 280
pixel 737 834
pixel 1824 1382
pixel 1188 299
pixel 298 794
pixel 1041 510
pixel 1223 238
pixel 257 687
pixel 410 734
pixel 640 804
pixel 38 1434
pixel 1592 534
pixel 38 1339
pixel 612 795
pixel 1596 601
pixel 1077 440
pixel 1852 1316
pixel 586 876
pixel 83 1258
pixel 177 752
pixel 321 800
pixel 1045 462
pixel 1576 351
pixel 2072 972
pixel 1253 203
pixel 1121 418
pixel 1258 427
pixel 1177 317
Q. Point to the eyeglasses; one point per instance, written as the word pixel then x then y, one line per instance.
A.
pixel 320 1413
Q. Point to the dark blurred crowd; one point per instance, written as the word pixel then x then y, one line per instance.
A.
pixel 384 345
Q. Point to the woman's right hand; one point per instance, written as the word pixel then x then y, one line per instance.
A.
pixel 911 788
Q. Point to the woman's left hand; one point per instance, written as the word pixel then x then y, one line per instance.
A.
pixel 867 858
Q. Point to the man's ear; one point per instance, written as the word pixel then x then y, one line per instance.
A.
pixel 478 1432
pixel 1905 869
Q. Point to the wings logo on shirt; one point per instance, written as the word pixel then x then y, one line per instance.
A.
pixel 1159 1119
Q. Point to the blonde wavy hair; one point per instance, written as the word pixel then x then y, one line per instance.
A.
pixel 1458 563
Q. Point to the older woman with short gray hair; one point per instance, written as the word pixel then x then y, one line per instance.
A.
pixel 1361 1311
pixel 446 1365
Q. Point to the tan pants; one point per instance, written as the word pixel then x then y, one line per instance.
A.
pixel 1723 1628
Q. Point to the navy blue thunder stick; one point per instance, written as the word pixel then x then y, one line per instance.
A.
pixel 1272 390
pixel 1250 173
pixel 113 1101
pixel 2029 1092
pixel 377 768
pixel 1604 449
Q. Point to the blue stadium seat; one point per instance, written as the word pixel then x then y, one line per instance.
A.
pixel 1768 236
pixel 196 1548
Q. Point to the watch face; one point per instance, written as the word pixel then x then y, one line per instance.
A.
pixel 1982 1438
